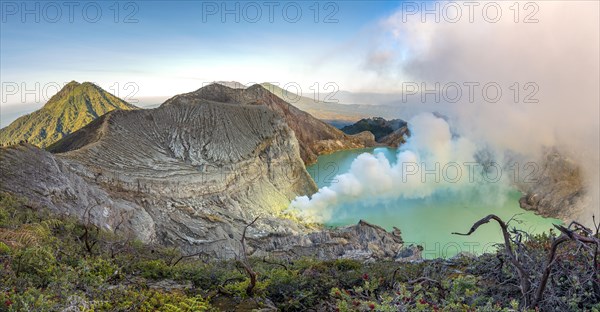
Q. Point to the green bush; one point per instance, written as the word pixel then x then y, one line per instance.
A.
pixel 153 269
pixel 4 249
pixel 37 264
pixel 45 266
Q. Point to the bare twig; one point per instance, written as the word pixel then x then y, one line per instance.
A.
pixel 274 263
pixel 187 256
pixel 538 295
pixel 89 246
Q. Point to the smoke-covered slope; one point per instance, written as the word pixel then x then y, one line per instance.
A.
pixel 555 187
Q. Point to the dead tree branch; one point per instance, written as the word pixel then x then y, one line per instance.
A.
pixel 89 245
pixel 245 263
pixel 523 276
pixel 567 234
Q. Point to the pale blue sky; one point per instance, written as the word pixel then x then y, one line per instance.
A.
pixel 169 47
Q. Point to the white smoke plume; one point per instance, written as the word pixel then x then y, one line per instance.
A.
pixel 554 59
pixel 559 54
pixel 431 162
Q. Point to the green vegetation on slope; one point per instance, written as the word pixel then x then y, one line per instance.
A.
pixel 70 109
pixel 50 263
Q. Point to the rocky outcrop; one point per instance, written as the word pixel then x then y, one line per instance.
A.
pixel 396 138
pixel 556 189
pixel 361 241
pixel 189 174
pixel 314 136
pixel 380 127
pixel 387 132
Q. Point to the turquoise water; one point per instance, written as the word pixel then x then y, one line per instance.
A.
pixel 428 222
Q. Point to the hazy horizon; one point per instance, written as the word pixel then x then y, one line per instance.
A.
pixel 517 78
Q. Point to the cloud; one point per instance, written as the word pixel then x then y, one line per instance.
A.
pixel 558 56
pixel 379 61
pixel 547 73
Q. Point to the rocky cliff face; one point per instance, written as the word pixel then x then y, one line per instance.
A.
pixel 363 241
pixel 315 136
pixel 190 173
pixel 556 190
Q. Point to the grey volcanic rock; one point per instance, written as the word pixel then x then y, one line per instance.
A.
pixel 556 190
pixel 396 138
pixel 361 241
pixel 189 174
pixel 50 182
pixel 194 172
pixel 315 136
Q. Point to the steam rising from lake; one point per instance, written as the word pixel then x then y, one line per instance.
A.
pixel 432 162
pixel 548 51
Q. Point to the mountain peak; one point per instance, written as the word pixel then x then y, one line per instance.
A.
pixel 256 87
pixel 216 86
pixel 231 84
pixel 67 90
pixel 71 108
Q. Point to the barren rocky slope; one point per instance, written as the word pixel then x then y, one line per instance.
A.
pixel 315 136
pixel 555 188
pixel 189 174
pixel 396 138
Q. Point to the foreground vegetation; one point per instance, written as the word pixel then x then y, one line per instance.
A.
pixel 59 264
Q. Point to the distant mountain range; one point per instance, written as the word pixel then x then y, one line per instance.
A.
pixel 332 111
pixel 74 106
pixel 78 104
pixel 338 114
